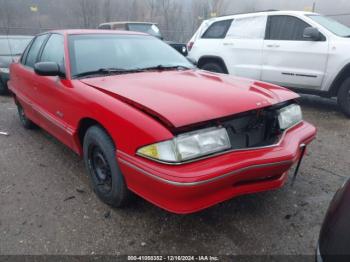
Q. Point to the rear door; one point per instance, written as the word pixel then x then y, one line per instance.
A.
pixel 289 59
pixel 243 46
pixel 210 43
pixel 26 79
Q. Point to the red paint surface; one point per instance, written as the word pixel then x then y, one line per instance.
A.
pixel 144 108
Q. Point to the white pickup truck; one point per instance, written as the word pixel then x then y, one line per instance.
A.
pixel 303 51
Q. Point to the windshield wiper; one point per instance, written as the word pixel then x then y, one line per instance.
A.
pixel 106 71
pixel 165 67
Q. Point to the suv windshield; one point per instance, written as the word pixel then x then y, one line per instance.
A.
pixel 332 25
pixel 121 53
pixel 13 46
pixel 151 29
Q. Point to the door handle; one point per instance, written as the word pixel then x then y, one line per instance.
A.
pixel 273 45
pixel 229 44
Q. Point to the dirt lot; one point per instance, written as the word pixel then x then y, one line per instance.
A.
pixel 47 207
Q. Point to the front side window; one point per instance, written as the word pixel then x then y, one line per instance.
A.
pixel 54 50
pixel 331 25
pixel 248 28
pixel 34 50
pixel 217 30
pixel 287 28
pixel 124 52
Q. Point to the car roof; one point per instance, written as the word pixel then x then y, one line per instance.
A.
pixel 127 22
pixel 94 31
pixel 262 13
pixel 16 36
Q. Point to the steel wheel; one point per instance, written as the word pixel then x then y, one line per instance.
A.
pixel 100 169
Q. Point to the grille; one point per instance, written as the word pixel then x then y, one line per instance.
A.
pixel 253 129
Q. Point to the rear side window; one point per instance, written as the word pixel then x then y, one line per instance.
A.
pixel 248 28
pixel 34 50
pixel 218 29
pixel 119 27
pixel 286 28
pixel 54 50
pixel 104 27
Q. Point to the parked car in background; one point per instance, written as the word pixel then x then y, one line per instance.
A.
pixel 144 27
pixel 303 51
pixel 145 120
pixel 334 240
pixel 11 47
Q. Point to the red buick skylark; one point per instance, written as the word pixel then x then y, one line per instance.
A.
pixel 145 120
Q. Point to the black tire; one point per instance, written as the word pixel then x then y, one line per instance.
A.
pixel 106 177
pixel 25 121
pixel 344 97
pixel 213 67
pixel 3 89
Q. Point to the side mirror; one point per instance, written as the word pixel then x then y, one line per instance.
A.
pixel 312 34
pixel 47 69
pixel 192 61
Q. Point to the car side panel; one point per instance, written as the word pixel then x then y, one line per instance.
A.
pixel 129 127
pixel 22 85
pixel 299 64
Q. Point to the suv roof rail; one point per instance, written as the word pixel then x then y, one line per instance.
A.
pixel 253 12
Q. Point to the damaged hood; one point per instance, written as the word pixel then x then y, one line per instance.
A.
pixel 181 98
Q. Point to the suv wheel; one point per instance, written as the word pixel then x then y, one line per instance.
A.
pixel 213 67
pixel 344 97
pixel 100 159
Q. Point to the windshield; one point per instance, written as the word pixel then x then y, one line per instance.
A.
pixel 334 26
pixel 145 28
pixel 13 46
pixel 93 52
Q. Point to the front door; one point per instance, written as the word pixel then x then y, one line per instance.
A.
pixel 54 95
pixel 289 59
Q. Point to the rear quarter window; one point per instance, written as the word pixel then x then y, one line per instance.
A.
pixel 217 30
pixel 106 27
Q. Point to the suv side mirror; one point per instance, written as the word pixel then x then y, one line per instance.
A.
pixel 47 69
pixel 312 34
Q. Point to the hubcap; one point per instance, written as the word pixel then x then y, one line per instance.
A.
pixel 100 169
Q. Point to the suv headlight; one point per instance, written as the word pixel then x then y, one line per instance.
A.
pixel 4 70
pixel 188 146
pixel 289 116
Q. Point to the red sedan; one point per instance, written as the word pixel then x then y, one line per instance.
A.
pixel 146 120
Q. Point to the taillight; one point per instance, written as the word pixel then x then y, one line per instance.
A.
pixel 189 46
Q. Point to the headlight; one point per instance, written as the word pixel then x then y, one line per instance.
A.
pixel 289 116
pixel 188 145
pixel 4 70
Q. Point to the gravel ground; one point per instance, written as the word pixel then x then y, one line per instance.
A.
pixel 47 206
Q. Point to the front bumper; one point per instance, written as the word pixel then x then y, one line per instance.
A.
pixel 191 187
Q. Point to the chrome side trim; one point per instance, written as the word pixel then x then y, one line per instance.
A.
pixel 184 184
pixel 222 152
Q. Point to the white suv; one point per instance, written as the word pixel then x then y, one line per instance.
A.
pixel 304 51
